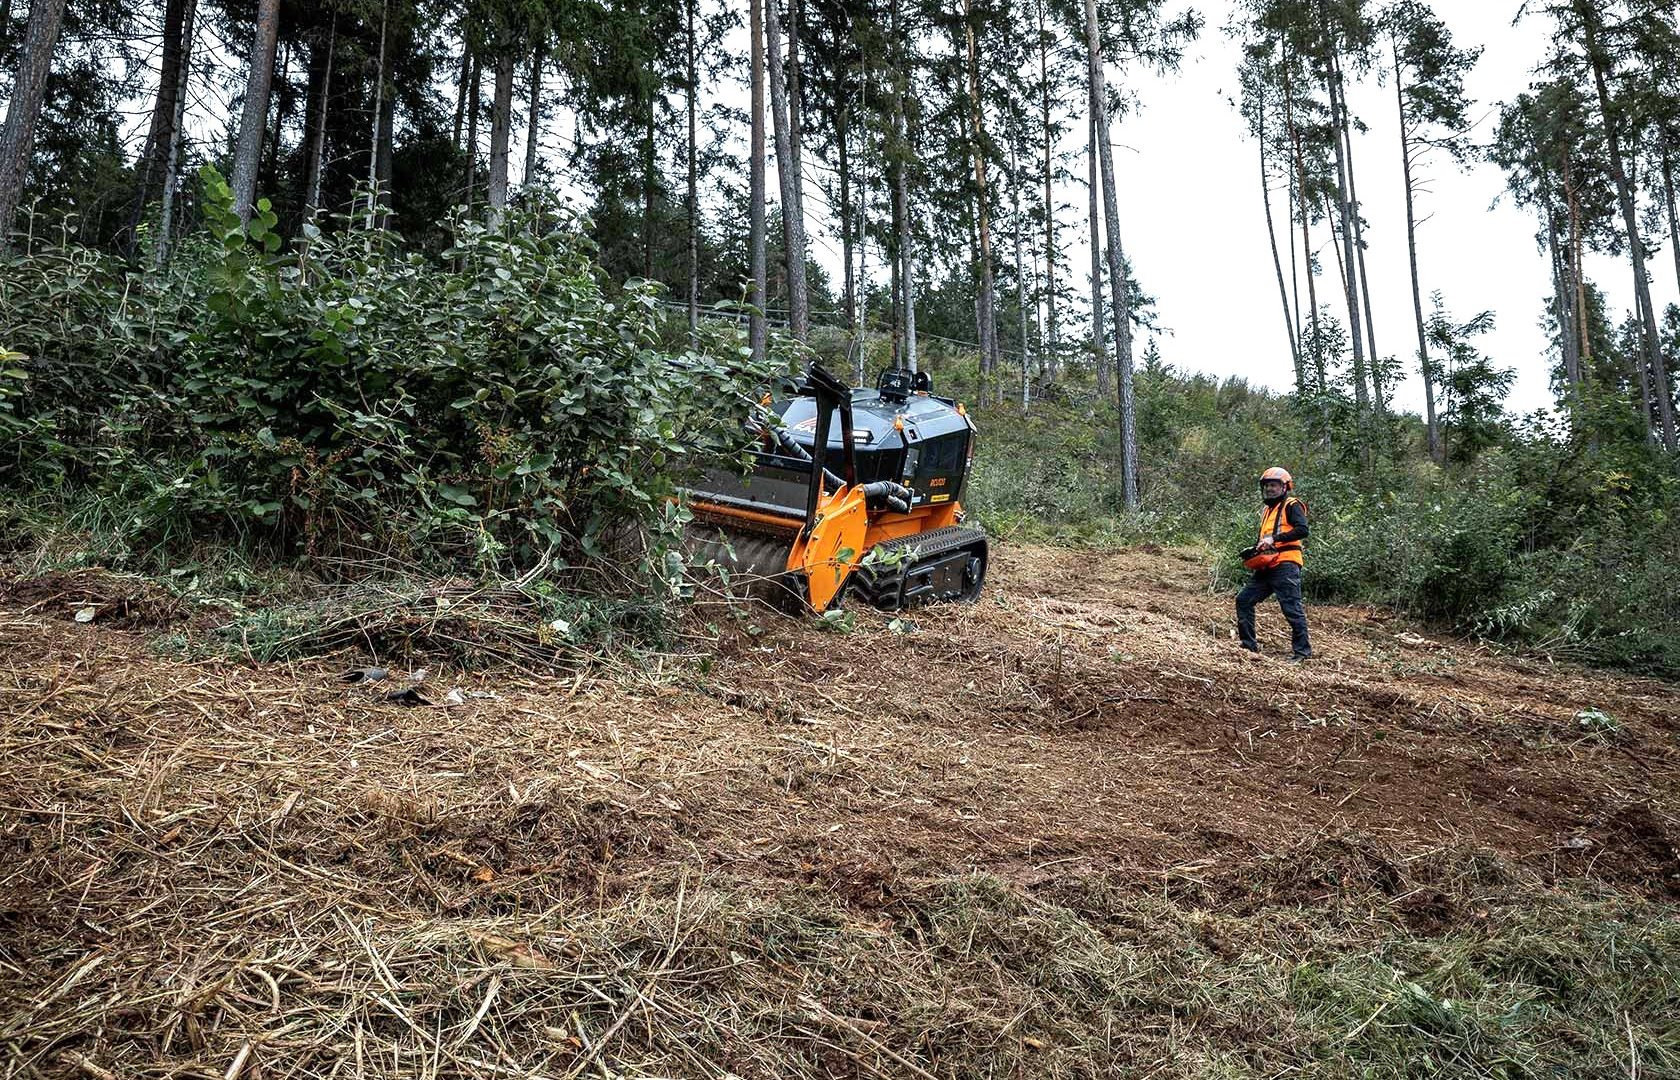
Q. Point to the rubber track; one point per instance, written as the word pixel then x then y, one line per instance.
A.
pixel 878 586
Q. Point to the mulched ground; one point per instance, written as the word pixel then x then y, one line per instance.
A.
pixel 1090 717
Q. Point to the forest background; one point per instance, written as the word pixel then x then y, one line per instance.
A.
pixel 349 286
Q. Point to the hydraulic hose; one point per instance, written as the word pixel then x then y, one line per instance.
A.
pixel 787 442
pixel 889 494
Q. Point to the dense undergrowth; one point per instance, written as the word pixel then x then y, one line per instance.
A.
pixel 347 406
pixel 1539 541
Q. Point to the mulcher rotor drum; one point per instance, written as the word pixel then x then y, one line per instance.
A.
pixel 838 474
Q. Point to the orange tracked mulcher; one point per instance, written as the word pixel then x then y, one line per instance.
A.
pixel 886 528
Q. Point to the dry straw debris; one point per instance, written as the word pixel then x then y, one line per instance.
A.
pixel 1067 832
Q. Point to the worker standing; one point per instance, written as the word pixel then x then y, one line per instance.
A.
pixel 1277 562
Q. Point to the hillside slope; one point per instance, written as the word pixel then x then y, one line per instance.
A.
pixel 1065 831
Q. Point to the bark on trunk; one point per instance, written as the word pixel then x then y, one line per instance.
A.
pixel 787 173
pixel 842 119
pixel 1099 349
pixel 1350 286
pixel 757 331
pixel 501 130
pixel 317 153
pixel 901 211
pixel 1377 402
pixel 985 306
pixel 1271 235
pixel 1653 359
pixel 1051 351
pixel 1432 427
pixel 1020 281
pixel 259 81
pixel 533 118
pixel 1668 197
pixel 693 178
pixel 160 133
pixel 373 193
pixel 1569 344
pixel 17 137
pixel 650 178
pixel 172 163
pixel 1119 286
pixel 1305 209
pixel 461 90
pixel 1577 279
pixel 471 175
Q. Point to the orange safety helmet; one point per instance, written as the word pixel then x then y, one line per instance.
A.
pixel 1281 475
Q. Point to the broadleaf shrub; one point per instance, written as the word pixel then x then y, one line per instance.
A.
pixel 347 397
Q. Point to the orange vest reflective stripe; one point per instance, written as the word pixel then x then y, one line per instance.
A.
pixel 1275 519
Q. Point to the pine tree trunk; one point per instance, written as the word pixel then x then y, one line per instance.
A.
pixel 461 89
pixel 258 83
pixel 757 333
pixel 1052 349
pixel 861 311
pixel 985 306
pixel 796 114
pixel 1377 402
pixel 1577 275
pixel 317 153
pixel 1099 347
pixel 1652 362
pixel 1271 235
pixel 1305 210
pixel 1569 344
pixel 160 133
pixel 650 187
pixel 1350 285
pixel 17 137
pixel 1668 197
pixel 501 133
pixel 471 177
pixel 1119 286
pixel 374 194
pixel 906 248
pixel 1020 280
pixel 787 166
pixel 901 208
pixel 177 132
pixel 692 70
pixel 1432 426
pixel 533 117
pixel 842 121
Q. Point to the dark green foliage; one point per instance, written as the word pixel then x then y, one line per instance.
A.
pixel 345 397
pixel 1533 539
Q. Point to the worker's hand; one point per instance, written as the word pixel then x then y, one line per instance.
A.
pixel 1267 543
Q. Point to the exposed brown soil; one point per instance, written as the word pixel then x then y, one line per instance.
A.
pixel 1091 718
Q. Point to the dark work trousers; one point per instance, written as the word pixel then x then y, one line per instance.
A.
pixel 1283 579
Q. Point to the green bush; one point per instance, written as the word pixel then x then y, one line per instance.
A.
pixel 349 397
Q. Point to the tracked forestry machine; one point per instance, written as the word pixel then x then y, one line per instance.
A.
pixel 866 507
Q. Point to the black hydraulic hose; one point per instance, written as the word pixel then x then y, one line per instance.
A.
pixel 886 492
pixel 786 440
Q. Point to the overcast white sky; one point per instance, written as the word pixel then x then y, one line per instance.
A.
pixel 1192 222
pixel 1195 230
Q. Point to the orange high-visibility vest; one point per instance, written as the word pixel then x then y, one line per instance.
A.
pixel 1273 520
